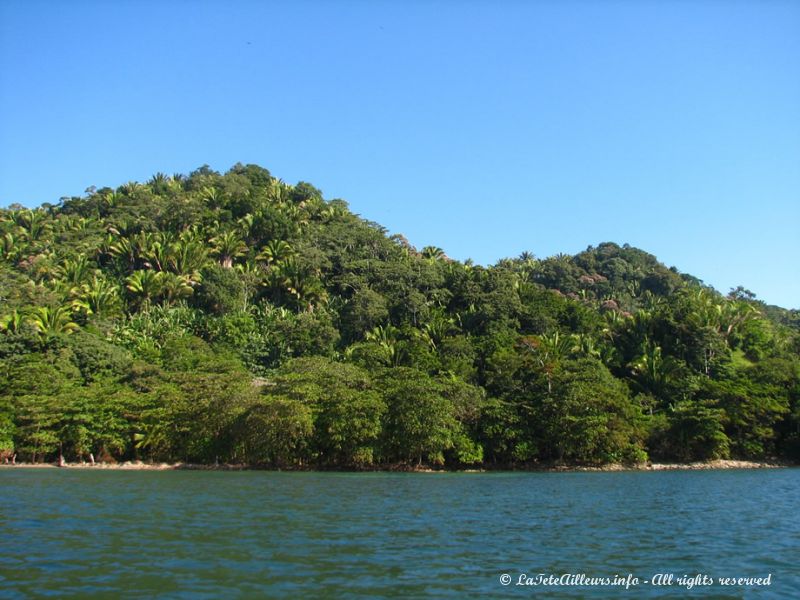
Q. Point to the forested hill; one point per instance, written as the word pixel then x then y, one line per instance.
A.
pixel 237 318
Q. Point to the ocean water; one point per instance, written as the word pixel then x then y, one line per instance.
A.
pixel 205 534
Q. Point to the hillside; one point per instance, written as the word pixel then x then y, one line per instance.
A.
pixel 236 318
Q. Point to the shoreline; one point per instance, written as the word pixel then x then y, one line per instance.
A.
pixel 609 468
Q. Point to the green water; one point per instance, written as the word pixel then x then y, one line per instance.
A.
pixel 184 534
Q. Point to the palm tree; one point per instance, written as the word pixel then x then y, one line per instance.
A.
pixel 614 322
pixel 154 437
pixel 130 188
pixel 175 287
pixel 585 345
pixel 309 292
pixel 303 287
pixel 109 201
pixel 547 351
pixel 704 309
pixel 226 247
pixel 51 322
pixel 212 196
pixel 433 253
pixel 275 251
pixel 555 345
pixel 100 296
pixel 327 213
pixel 158 183
pixel 387 337
pixel 71 224
pixel 279 191
pixel 123 249
pixel 154 249
pixel 652 371
pixel 438 327
pixel 297 215
pixel 188 256
pixel 504 263
pixel 32 223
pixel 175 183
pixel 144 285
pixel 245 225
pixel 562 258
pixel 76 271
pixel 12 322
pixel 733 315
pixel 11 248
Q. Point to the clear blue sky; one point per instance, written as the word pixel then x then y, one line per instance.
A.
pixel 486 128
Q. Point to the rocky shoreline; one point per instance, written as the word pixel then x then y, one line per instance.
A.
pixel 694 466
pixel 143 466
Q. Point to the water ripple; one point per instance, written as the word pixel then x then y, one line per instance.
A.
pixel 380 535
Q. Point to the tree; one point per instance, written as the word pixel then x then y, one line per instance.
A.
pixel 145 286
pixel 175 288
pixel 7 431
pixel 657 375
pixel 97 297
pixel 277 432
pixel 433 253
pixel 690 431
pixel 210 393
pixel 420 423
pixel 36 388
pixel 93 421
pixel 346 410
pixel 237 317
pixel 366 310
pixel 546 351
pixel 227 247
pixel 188 256
pixel 275 252
pixel 587 416
pixel 751 411
pixel 52 322
pixel 221 292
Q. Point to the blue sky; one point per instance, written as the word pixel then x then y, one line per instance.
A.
pixel 486 128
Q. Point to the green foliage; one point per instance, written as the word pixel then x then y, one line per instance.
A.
pixel 690 432
pixel 192 405
pixel 7 430
pixel 504 435
pixel 221 291
pixel 277 432
pixel 235 317
pixel 346 410
pixel 588 416
pixel 97 358
pixel 420 422
pixel 364 311
pixel 36 389
pixel 94 421
pixel 752 407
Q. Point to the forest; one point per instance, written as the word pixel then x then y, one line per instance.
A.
pixel 234 318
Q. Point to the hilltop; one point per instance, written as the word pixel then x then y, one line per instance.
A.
pixel 234 317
